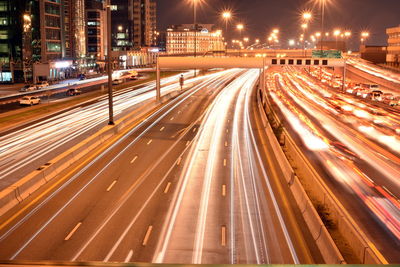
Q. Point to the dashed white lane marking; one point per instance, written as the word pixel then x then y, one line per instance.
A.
pixel 166 190
pixel 134 159
pixel 147 236
pixel 178 162
pixel 150 141
pixel 162 129
pixel 73 231
pixel 223 236
pixel 129 256
pixel 224 162
pixel 111 186
pixel 223 190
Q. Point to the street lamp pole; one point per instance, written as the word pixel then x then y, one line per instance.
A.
pixel 195 30
pixel 110 67
pixel 322 24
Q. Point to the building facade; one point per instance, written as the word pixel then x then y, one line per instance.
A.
pixel 96 29
pixel 393 50
pixel 133 24
pixel 184 39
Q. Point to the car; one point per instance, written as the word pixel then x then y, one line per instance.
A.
pixel 82 77
pixel 73 91
pixel 29 100
pixel 41 85
pixel 133 77
pixel 28 88
pixel 117 81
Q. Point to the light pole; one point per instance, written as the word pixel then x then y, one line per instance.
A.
pixel 226 16
pixel 240 28
pixel 322 4
pixel 306 18
pixel 364 37
pixel 336 33
pixel 110 66
pixel 195 30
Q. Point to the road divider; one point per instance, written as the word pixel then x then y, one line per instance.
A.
pixel 320 193
pixel 320 234
pixel 22 189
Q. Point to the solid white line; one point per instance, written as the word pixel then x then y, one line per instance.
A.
pixel 111 186
pixel 194 129
pixel 134 159
pixel 73 231
pixel 147 236
pixel 129 256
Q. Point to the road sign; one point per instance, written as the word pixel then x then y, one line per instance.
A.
pixel 326 54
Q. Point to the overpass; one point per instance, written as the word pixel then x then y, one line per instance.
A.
pixel 187 63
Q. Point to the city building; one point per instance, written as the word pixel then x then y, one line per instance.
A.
pixel 374 54
pixel 393 50
pixel 133 24
pixel 184 39
pixel 74 29
pixel 96 33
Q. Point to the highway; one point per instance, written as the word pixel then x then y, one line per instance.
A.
pixel 195 182
pixel 29 147
pixel 353 144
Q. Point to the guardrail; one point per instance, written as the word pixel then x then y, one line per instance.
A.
pixel 317 190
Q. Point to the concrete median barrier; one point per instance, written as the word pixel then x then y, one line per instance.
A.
pixel 320 234
pixel 15 194
pixel 321 194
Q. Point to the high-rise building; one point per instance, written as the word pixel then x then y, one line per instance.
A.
pixel 393 49
pixel 133 23
pixel 34 32
pixel 96 29
pixel 183 39
pixel 74 29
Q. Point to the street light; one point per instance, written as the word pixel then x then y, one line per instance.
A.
pixel 336 33
pixel 364 36
pixel 240 28
pixel 226 15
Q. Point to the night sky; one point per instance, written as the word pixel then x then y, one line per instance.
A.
pixel 260 16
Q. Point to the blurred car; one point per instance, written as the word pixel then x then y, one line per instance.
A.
pixel 41 85
pixel 73 91
pixel 117 81
pixel 133 77
pixel 395 102
pixel 29 100
pixel 82 77
pixel 28 88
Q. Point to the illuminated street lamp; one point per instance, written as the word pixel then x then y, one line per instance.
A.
pixel 307 16
pixel 336 33
pixel 240 28
pixel 226 16
pixel 364 36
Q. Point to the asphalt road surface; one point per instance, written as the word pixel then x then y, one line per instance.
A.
pixel 196 182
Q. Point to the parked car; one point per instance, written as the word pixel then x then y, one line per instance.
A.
pixel 41 85
pixel 28 88
pixel 29 100
pixel 73 91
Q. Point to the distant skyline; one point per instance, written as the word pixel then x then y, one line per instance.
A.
pixel 260 16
